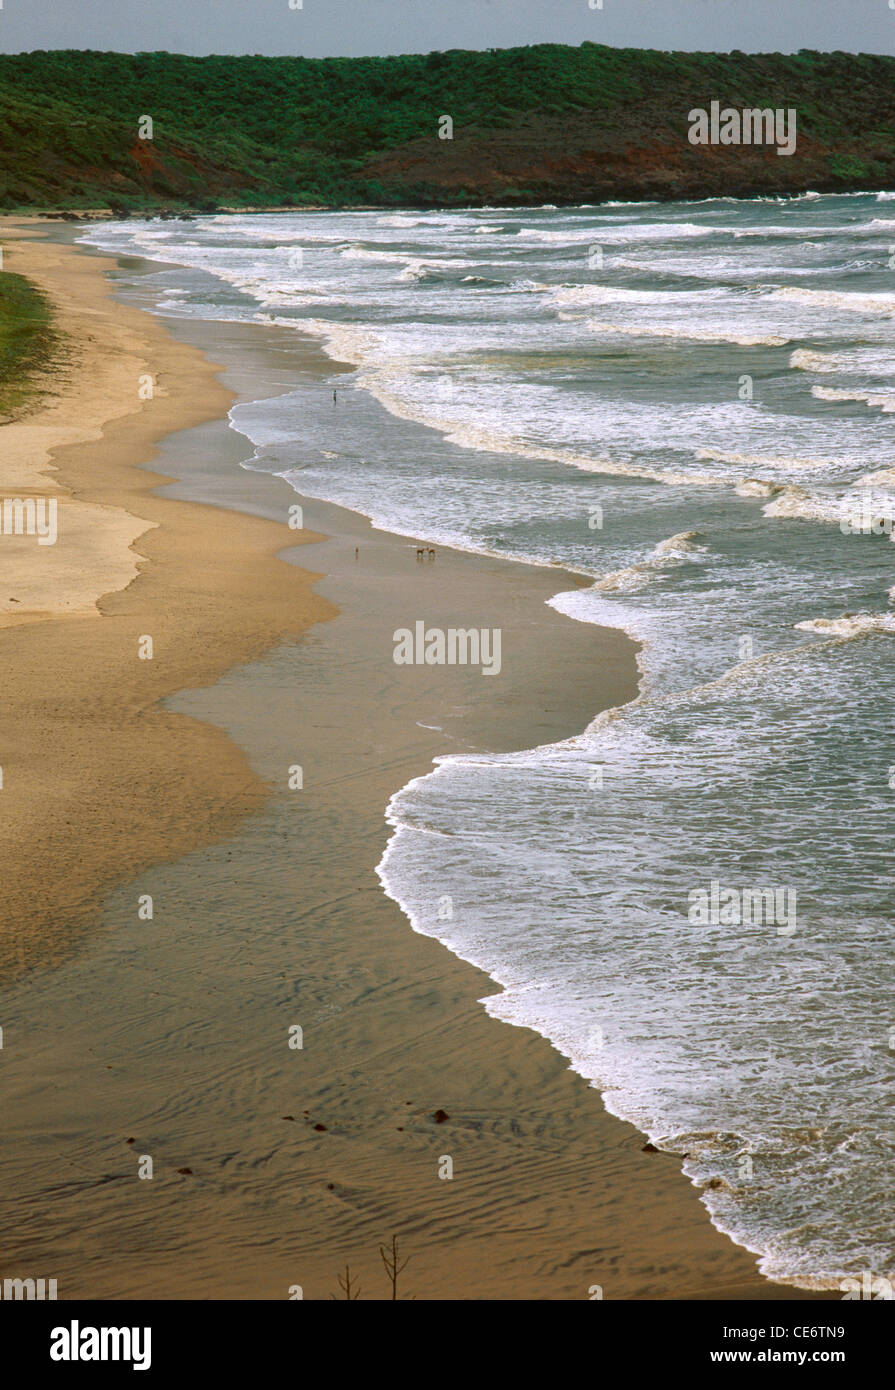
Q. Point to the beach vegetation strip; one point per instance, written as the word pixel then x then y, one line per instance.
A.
pixel 26 341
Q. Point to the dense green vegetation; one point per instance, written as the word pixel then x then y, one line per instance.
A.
pixel 265 131
pixel 25 340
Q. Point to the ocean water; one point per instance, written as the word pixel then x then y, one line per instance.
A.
pixel 691 406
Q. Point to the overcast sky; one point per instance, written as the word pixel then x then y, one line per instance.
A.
pixel 351 27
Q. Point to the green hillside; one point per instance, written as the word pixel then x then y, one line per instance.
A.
pixel 547 122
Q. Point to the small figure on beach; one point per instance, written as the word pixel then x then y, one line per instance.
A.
pixel 334 398
pixel 355 552
pixel 431 552
pixel 420 552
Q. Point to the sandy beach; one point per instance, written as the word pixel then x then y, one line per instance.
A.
pixel 99 780
pixel 126 778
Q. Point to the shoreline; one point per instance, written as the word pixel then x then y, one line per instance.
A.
pixel 560 1190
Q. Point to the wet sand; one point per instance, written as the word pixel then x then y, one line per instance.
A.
pixel 168 1039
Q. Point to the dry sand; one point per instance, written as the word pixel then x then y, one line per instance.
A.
pixel 169 1038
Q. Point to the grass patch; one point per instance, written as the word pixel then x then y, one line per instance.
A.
pixel 25 341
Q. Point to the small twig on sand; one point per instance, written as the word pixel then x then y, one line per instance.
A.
pixel 345 1286
pixel 393 1265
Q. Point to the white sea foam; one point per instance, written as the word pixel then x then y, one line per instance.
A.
pixel 616 294
pixel 852 301
pixel 803 359
pixel 881 400
pixel 699 335
pixel 788 462
pixel 724 752
pixel 756 487
pixel 629 231
pixel 676 550
pixel 850 625
pixel 800 503
pixel 881 477
pixel 482 438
